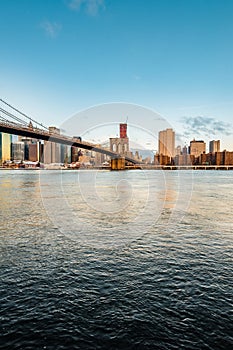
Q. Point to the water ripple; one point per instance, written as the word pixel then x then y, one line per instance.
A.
pixel 170 288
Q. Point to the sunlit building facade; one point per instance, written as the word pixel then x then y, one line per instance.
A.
pixel 197 147
pixel 167 143
pixel 5 147
pixel 52 150
pixel 214 146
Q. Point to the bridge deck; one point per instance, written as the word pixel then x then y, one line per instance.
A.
pixel 36 133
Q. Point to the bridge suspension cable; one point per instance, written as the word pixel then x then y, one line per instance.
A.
pixel 21 121
pixel 23 114
pixel 3 119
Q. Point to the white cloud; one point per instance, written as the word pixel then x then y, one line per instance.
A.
pixel 75 4
pixel 205 126
pixel 51 28
pixel 92 7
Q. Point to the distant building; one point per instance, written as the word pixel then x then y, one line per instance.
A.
pixel 160 159
pixel 17 150
pixel 182 159
pixel 33 152
pixel 65 153
pixel 86 158
pixel 75 151
pixel 33 149
pixel 123 130
pixel 75 154
pixel 185 150
pixel 138 157
pixel 214 146
pixel 27 142
pixel 197 148
pixel 227 158
pixel 52 150
pixel 167 143
pixel 98 158
pixel 41 151
pixel 178 150
pixel 5 147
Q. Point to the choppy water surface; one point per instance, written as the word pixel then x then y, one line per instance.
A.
pixel 116 260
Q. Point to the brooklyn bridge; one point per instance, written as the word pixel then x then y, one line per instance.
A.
pixel 15 122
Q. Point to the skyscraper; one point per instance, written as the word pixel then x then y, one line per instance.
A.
pixel 167 143
pixel 5 147
pixel 214 146
pixel 197 147
pixel 123 131
pixel 17 150
pixel 52 150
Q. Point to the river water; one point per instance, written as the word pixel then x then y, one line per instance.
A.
pixel 116 260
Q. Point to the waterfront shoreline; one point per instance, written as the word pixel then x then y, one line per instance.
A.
pixel 136 167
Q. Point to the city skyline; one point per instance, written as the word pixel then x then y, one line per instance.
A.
pixel 169 144
pixel 173 57
pixel 23 148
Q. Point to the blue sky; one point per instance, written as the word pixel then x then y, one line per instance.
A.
pixel 58 57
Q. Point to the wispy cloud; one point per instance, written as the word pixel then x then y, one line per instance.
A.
pixel 205 126
pixel 51 29
pixel 91 7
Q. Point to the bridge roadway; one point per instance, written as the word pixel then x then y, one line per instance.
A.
pixel 36 133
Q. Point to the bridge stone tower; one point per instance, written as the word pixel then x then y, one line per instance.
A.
pixel 120 144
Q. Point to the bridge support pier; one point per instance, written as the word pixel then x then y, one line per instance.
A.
pixel 118 164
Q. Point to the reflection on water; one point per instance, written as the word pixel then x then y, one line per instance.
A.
pixel 170 199
pixel 169 194
pixel 116 260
